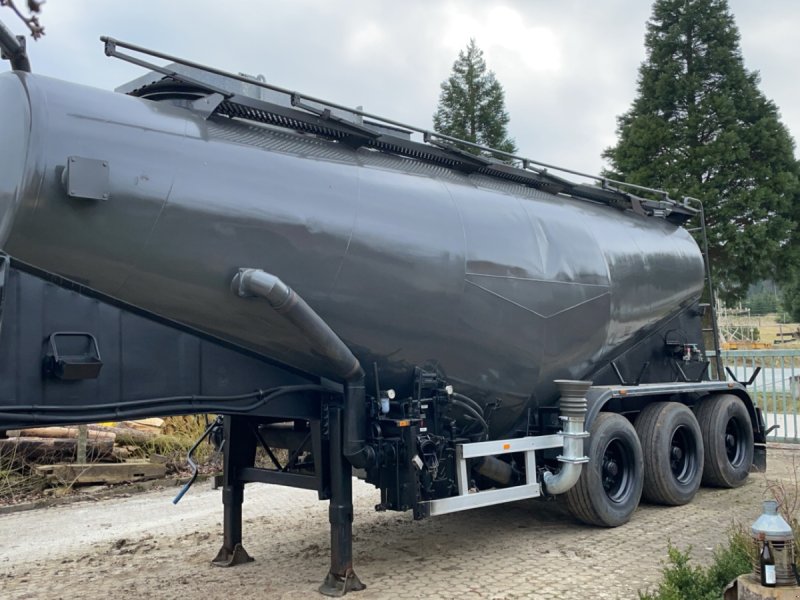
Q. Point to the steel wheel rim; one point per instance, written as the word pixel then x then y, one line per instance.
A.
pixel 735 442
pixel 617 471
pixel 683 455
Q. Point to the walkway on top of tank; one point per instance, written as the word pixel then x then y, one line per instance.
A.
pixel 215 92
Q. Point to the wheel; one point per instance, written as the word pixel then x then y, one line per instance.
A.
pixel 673 453
pixel 610 484
pixel 728 439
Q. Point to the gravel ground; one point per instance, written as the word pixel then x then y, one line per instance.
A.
pixel 141 546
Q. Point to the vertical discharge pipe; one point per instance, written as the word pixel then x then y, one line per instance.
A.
pixel 573 417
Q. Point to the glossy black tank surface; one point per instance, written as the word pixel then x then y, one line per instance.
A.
pixel 501 287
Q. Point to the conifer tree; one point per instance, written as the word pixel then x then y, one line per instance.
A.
pixel 472 103
pixel 791 296
pixel 699 126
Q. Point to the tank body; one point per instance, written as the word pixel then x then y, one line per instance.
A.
pixel 500 287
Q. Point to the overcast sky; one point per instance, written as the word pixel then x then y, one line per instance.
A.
pixel 568 67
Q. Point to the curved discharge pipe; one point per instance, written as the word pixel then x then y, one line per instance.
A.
pixel 288 303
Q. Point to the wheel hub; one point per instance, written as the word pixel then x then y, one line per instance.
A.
pixel 734 442
pixel 617 471
pixel 682 455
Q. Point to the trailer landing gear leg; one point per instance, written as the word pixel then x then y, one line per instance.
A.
pixel 239 451
pixel 341 578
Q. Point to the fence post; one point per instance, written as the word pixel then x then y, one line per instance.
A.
pixel 80 451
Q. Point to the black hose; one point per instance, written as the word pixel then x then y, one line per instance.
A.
pixel 468 430
pixel 192 464
pixel 479 409
pixel 473 413
pixel 164 405
pixel 167 400
pixel 469 401
pixel 143 402
pixel 469 409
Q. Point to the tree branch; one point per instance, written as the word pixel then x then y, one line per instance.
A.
pixel 32 21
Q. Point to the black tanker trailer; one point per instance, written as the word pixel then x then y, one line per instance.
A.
pixel 459 326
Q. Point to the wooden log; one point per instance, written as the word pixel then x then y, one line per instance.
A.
pixel 37 448
pixel 103 473
pixel 128 435
pixel 152 425
pixel 68 432
pixel 121 453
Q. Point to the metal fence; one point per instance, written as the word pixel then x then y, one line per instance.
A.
pixel 775 389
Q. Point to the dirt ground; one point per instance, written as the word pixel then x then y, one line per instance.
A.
pixel 141 546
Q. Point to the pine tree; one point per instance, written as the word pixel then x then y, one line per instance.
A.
pixel 472 103
pixel 700 127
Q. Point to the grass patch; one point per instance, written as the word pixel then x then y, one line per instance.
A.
pixel 19 480
pixel 177 436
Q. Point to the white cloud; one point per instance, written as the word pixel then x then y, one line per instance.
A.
pixel 364 42
pixel 504 35
pixel 568 67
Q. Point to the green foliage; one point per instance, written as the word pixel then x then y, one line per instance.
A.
pixel 699 126
pixel 472 104
pixel 791 297
pixel 683 581
pixel 763 297
pixel 763 303
pixel 732 560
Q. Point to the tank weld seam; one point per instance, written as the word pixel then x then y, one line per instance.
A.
pixel 515 278
pixel 530 310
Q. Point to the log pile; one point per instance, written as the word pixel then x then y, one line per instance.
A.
pixel 108 443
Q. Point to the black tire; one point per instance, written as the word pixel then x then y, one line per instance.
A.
pixel 728 439
pixel 610 484
pixel 673 453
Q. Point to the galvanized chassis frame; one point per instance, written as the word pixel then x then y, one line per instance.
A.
pixel 530 489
